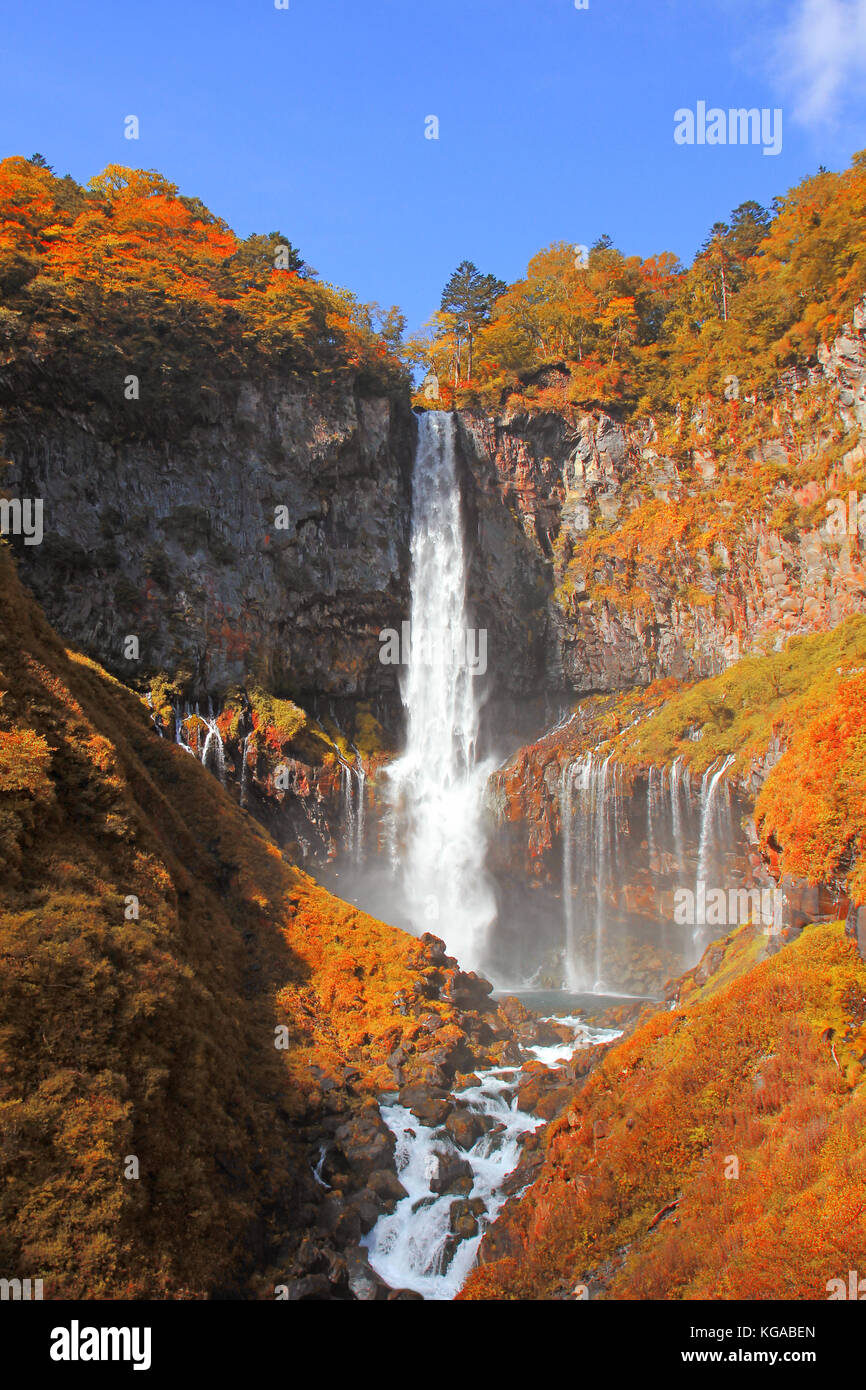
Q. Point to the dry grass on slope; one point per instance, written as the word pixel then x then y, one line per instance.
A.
pixel 766 1070
pixel 154 1037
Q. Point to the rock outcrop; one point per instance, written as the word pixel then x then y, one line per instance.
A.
pixel 611 554
pixel 265 537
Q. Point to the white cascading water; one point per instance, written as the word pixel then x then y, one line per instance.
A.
pixel 361 778
pixel 353 782
pixel 437 787
pixel 712 780
pixel 592 810
pixel 214 741
pixel 244 769
pixel 680 787
pixel 412 1248
pixel 566 816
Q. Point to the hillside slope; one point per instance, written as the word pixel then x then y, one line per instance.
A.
pixel 716 1153
pixel 153 1037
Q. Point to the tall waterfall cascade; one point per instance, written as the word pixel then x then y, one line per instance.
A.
pixel 437 787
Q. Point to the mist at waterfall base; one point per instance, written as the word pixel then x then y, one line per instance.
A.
pixel 600 922
pixel 421 849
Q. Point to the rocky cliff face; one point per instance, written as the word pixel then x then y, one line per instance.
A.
pixel 613 554
pixel 266 537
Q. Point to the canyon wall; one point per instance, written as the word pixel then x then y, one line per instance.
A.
pixel 176 537
pixel 573 575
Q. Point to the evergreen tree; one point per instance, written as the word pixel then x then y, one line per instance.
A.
pixel 469 297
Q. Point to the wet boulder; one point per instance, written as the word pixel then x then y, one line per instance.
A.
pixel 466 1127
pixel 513 1011
pixel 387 1187
pixel 429 1104
pixel 448 1172
pixel 434 950
pixel 368 1206
pixel 365 1144
pixel 464 1217
pixel 364 1283
pixel 466 990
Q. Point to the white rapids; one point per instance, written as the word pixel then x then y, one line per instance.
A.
pixel 413 1247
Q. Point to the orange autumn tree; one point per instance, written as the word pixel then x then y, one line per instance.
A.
pixel 764 290
pixel 155 284
pixel 812 806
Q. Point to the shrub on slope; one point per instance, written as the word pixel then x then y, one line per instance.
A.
pixel 153 1037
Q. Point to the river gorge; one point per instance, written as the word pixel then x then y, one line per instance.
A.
pixel 432 827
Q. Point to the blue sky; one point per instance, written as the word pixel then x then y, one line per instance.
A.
pixel 554 123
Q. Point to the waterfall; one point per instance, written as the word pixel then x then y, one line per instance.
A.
pixel 709 787
pixel 214 739
pixel 348 806
pixel 244 770
pixel 353 791
pixel 602 833
pixel 652 799
pixel 437 786
pixel 605 871
pixel 359 819
pixel 566 819
pixel 180 721
pixel 676 808
pixel 593 819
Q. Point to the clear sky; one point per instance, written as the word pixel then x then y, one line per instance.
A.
pixel 555 123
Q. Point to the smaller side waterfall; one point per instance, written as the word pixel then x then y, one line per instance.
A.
pixel 629 906
pixel 593 819
pixel 566 817
pixel 681 792
pixel 214 741
pixel 359 818
pixel 244 769
pixel 353 790
pixel 710 798
pixel 654 796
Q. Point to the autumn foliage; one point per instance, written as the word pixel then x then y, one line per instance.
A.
pixel 590 326
pixel 716 1153
pixel 129 277
pixel 150 1033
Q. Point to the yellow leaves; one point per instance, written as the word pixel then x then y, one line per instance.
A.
pixel 25 761
pixel 116 182
pixel 131 234
pixel 101 753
